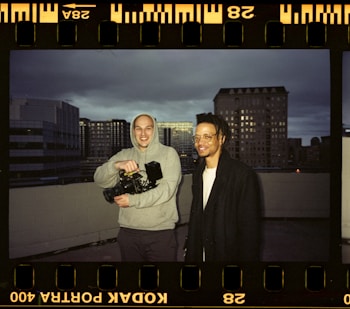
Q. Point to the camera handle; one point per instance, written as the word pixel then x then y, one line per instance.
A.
pixel 123 172
pixel 128 174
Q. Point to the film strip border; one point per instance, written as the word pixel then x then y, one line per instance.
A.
pixel 178 284
pixel 106 25
pixel 169 25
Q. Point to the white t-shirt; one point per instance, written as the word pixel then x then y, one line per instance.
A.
pixel 209 175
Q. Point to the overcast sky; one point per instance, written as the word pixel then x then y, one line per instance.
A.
pixel 175 85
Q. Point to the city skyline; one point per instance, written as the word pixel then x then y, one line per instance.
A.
pixel 175 85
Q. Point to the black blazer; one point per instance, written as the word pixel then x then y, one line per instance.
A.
pixel 230 226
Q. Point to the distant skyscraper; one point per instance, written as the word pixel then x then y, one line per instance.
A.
pixel 103 138
pixel 257 117
pixel 99 140
pixel 44 139
pixel 295 154
pixel 178 134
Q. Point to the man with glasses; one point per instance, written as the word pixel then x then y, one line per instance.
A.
pixel 226 205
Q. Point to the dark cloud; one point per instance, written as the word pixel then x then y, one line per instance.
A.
pixel 175 85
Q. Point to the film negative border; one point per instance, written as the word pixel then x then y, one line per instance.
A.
pixel 166 25
pixel 170 25
pixel 276 284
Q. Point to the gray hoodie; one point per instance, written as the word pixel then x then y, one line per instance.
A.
pixel 155 209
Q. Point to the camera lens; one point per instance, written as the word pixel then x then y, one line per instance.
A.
pixel 109 195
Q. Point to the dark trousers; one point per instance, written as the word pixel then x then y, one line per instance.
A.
pixel 150 246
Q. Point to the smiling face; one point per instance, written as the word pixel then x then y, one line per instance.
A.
pixel 208 143
pixel 143 131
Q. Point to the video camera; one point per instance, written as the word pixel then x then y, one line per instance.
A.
pixel 132 183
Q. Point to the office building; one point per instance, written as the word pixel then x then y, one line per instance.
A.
pixel 43 141
pixel 257 117
pixel 103 138
pixel 99 140
pixel 178 134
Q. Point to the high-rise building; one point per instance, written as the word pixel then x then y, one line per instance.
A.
pixel 257 117
pixel 178 134
pixel 84 137
pixel 103 138
pixel 99 140
pixel 295 154
pixel 44 140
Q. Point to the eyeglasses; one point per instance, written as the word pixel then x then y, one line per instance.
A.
pixel 206 137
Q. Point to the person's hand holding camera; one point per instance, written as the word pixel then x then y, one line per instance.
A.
pixel 122 200
pixel 127 165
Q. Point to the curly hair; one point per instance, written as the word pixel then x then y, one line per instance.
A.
pixel 220 124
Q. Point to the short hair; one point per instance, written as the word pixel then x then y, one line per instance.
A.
pixel 220 124
pixel 143 115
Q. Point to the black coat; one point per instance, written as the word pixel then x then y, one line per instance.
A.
pixel 229 227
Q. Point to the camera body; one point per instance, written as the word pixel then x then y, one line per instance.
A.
pixel 132 183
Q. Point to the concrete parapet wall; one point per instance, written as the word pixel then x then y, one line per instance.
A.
pixel 49 218
pixel 295 195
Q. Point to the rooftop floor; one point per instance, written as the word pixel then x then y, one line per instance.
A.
pixel 295 240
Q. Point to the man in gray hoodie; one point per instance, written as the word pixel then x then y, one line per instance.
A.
pixel 147 220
